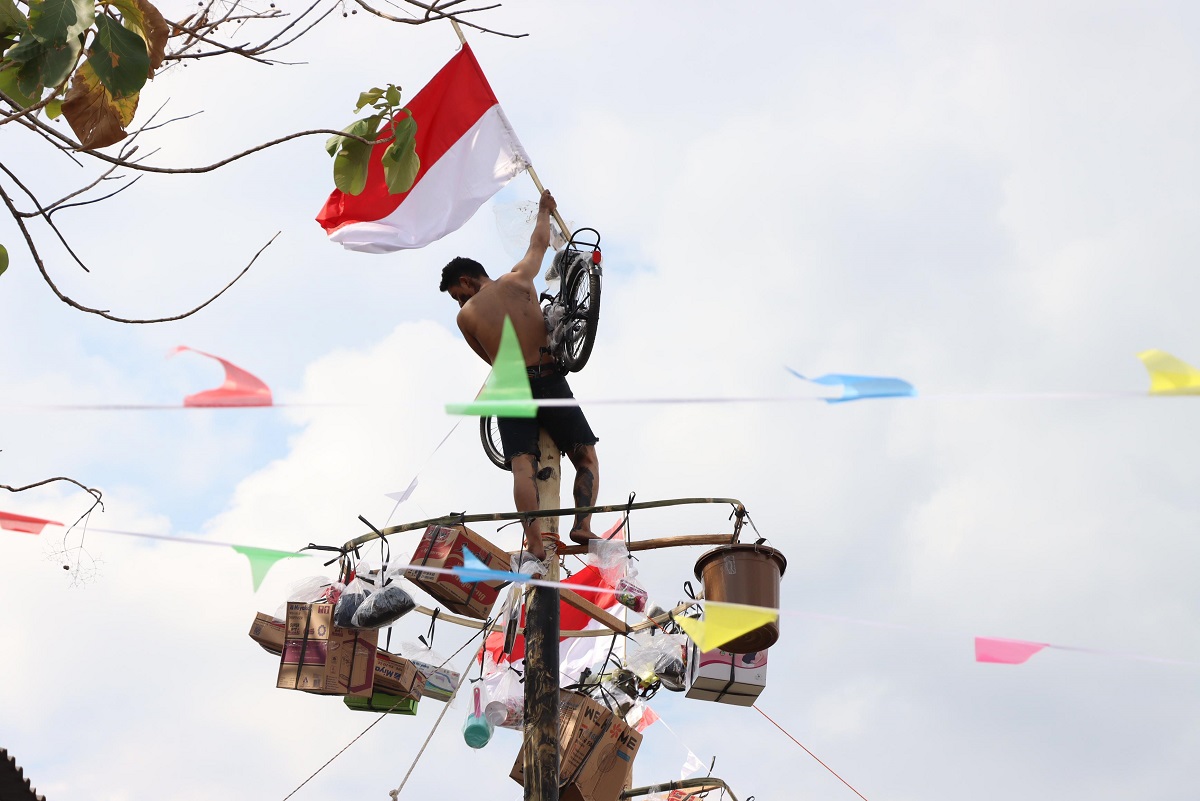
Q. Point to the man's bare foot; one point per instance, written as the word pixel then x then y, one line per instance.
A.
pixel 582 535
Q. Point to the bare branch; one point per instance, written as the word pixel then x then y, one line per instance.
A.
pixel 41 212
pixel 29 243
pixel 95 493
pixel 431 10
pixel 36 107
pixel 209 168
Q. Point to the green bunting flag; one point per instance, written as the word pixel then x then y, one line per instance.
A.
pixel 506 392
pixel 262 560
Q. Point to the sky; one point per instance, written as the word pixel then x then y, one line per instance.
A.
pixel 993 201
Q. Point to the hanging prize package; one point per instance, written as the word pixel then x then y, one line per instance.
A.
pixel 506 705
pixel 727 678
pixel 383 702
pixel 347 605
pixel 442 547
pixel 631 594
pixel 383 607
pixel 596 750
pixel 440 681
pixel 319 657
pixel 477 728
pixel 742 573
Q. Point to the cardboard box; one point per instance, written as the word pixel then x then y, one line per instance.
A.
pixel 268 632
pixel 726 678
pixel 319 657
pixel 442 547
pixel 440 683
pixel 596 750
pixel 383 702
pixel 397 676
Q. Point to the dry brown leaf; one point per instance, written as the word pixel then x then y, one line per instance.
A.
pixel 155 32
pixel 95 117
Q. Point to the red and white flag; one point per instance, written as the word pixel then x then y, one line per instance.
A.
pixel 468 151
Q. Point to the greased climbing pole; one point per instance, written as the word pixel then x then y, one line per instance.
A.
pixel 540 749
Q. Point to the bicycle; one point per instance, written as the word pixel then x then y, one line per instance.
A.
pixel 571 312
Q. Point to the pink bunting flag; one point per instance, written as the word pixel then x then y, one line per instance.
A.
pixel 240 388
pixel 26 525
pixel 649 717
pixel 1005 652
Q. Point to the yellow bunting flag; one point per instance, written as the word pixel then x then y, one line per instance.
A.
pixel 1170 376
pixel 724 622
pixel 506 393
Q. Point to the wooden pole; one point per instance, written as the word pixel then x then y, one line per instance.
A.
pixel 540 751
pixel 562 225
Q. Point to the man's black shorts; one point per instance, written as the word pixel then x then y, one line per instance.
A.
pixel 565 424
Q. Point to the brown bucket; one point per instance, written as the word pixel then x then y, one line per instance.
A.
pixel 744 574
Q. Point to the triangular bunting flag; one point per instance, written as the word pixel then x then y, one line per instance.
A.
pixel 26 525
pixel 262 560
pixel 858 387
pixel 506 392
pixel 475 570
pixel 724 622
pixel 1005 652
pixel 1168 375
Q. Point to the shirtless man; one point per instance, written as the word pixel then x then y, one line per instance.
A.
pixel 485 303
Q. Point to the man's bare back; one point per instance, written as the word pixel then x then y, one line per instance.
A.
pixel 482 318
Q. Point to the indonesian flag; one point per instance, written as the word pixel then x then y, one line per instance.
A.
pixel 468 151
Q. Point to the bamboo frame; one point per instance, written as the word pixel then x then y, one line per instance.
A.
pixel 463 518
pixel 697 786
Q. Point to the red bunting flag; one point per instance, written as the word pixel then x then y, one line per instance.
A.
pixel 24 524
pixel 240 387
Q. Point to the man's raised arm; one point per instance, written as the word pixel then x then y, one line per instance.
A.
pixel 539 240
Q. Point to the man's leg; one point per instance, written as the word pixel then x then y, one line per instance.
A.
pixel 525 494
pixel 587 485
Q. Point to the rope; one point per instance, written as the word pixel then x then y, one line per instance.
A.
pixel 810 753
pixel 396 793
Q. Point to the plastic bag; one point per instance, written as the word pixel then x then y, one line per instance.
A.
pixel 477 728
pixel 611 558
pixel 506 699
pixel 631 594
pixel 312 590
pixel 349 602
pixel 383 607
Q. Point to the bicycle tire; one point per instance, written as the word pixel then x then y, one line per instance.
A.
pixel 581 294
pixel 489 435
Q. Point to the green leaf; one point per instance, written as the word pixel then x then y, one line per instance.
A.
pixel 393 95
pixel 8 85
pixel 400 161
pixel 54 109
pixel 367 98
pixel 51 66
pixel 353 157
pixel 27 49
pixel 11 18
pixel 3 259
pixel 119 57
pixel 56 21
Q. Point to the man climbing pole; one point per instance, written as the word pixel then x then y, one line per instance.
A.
pixel 484 305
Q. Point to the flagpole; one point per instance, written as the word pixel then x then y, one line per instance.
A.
pixel 562 225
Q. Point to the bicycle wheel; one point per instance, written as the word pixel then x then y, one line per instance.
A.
pixel 581 294
pixel 489 434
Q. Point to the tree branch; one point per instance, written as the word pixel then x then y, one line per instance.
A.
pixel 29 243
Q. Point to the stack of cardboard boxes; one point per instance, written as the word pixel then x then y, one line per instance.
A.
pixel 596 750
pixel 389 674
